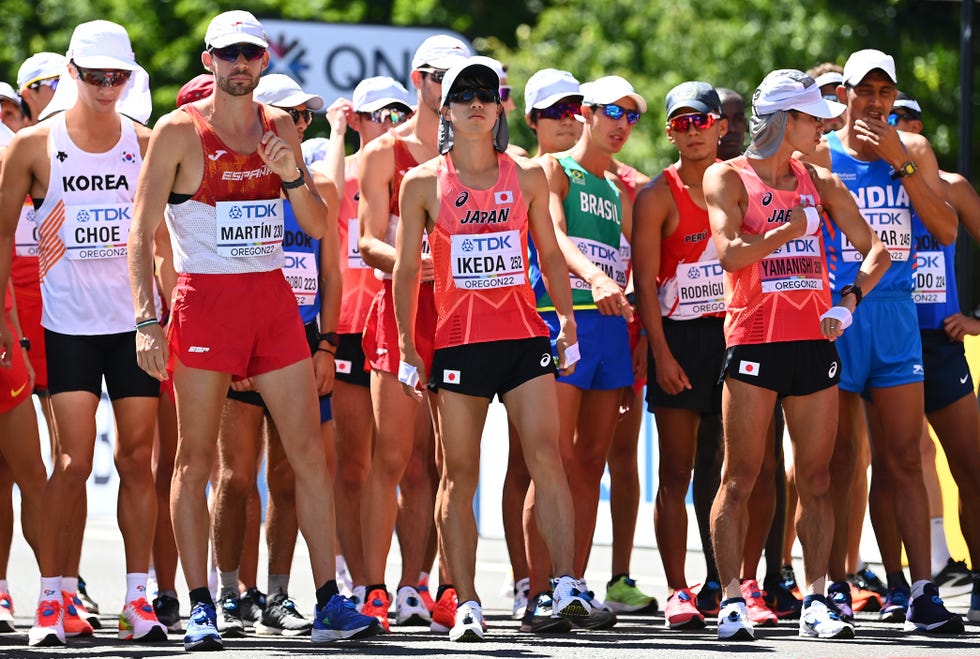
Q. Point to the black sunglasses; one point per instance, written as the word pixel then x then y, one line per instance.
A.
pixel 306 115
pixel 436 75
pixel 103 77
pixel 231 53
pixel 559 111
pixel 467 95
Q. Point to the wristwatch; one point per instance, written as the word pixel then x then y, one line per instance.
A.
pixel 25 343
pixel 330 337
pixel 856 291
pixel 908 168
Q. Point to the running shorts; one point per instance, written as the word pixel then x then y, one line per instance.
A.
pixel 698 345
pixel 350 361
pixel 605 347
pixel 790 368
pixel 947 372
pixel 80 362
pixel 380 342
pixel 495 367
pixel 15 381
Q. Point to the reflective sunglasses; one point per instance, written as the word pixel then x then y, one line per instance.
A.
pixel 103 77
pixel 306 115
pixel 504 92
pixel 50 82
pixel 231 53
pixel 394 115
pixel 895 117
pixel 467 95
pixel 559 111
pixel 830 97
pixel 436 75
pixel 616 112
pixel 700 120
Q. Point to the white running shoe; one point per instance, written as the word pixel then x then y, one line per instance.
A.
pixel 818 621
pixel 409 608
pixel 568 600
pixel 733 623
pixel 521 592
pixel 358 593
pixel 49 628
pixel 138 622
pixel 469 623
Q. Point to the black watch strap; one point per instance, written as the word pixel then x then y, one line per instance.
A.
pixel 25 343
pixel 290 185
pixel 856 291
pixel 330 337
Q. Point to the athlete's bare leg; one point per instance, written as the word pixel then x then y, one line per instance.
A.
pixel 789 532
pixel 164 545
pixel 677 430
pixel 21 456
pixel 859 496
pixel 354 433
pixel 624 483
pixel 762 508
pixel 930 476
pixel 705 481
pixel 416 499
pixel 517 480
pixel 842 466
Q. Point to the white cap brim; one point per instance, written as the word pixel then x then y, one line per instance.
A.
pixel 104 62
pixel 548 101
pixel 379 103
pixel 239 37
pixel 823 108
pixel 312 101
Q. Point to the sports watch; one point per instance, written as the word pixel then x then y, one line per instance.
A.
pixel 856 291
pixel 25 343
pixel 908 168
pixel 330 337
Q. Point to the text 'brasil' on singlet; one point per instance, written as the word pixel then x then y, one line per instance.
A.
pixel 691 282
pixel 935 293
pixel 233 224
pixel 782 296
pixel 885 206
pixel 479 251
pixel 594 223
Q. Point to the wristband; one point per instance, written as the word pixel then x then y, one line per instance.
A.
pixel 572 354
pixel 841 314
pixel 408 374
pixel 812 220
pixel 146 323
pixel 290 185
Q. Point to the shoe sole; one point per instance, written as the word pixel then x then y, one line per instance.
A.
pixel 595 625
pixel 155 635
pixel 844 633
pixel 468 636
pixel 265 630
pixel 895 615
pixel 547 626
pixel 740 635
pixel 952 625
pixel 694 622
pixel 637 609
pixel 7 627
pixel 574 610
pixel 414 620
pixel 47 641
pixel 206 644
pixel 232 632
pixel 331 635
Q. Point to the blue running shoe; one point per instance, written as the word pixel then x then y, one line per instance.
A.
pixel 339 620
pixel 896 604
pixel 928 615
pixel 202 630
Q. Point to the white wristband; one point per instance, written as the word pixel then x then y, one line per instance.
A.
pixel 408 374
pixel 841 314
pixel 572 354
pixel 812 220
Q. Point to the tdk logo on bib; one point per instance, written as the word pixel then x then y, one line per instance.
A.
pixel 699 270
pixel 104 214
pixel 484 244
pixel 253 211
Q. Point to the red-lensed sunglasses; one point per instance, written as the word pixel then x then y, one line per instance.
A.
pixel 559 111
pixel 103 77
pixel 700 120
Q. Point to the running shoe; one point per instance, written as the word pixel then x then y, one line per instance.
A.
pixel 424 594
pixel 788 576
pixel 623 596
pixel 340 620
pixel 521 591
pixel 409 609
pixel 954 579
pixel 280 618
pixel 90 604
pixel 252 604
pixel 839 600
pixel 358 594
pixel 79 610
pixel 681 611
pixel 709 599
pixel 759 614
pixel 733 621
pixel 600 615
pixel 817 620
pixel 780 599
pixel 48 629
pixel 468 625
pixel 896 604
pixel 973 615
pixel 866 578
pixel 167 609
pixel 202 630
pixel 540 618
pixel 376 605
pixel 865 600
pixel 6 614
pixel 569 600
pixel 229 614
pixel 73 619
pixel 138 622
pixel 927 614
pixel 444 615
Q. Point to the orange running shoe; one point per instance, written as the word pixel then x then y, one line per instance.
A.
pixel 75 623
pixel 444 615
pixel 376 605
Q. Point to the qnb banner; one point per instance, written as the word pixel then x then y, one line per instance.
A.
pixel 329 59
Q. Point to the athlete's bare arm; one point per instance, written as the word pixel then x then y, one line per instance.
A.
pixel 654 212
pixel 418 201
pixel 964 199
pixel 284 156
pixel 331 284
pixel 376 171
pixel 606 294
pixel 554 271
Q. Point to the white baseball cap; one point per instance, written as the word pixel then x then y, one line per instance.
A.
pixel 284 92
pixel 830 78
pixel 790 89
pixel 7 92
pixel 233 27
pixel 101 45
pixel 378 92
pixel 610 89
pixel 40 66
pixel 440 52
pixel 548 86
pixel 863 62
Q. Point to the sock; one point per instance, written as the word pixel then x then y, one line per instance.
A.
pixel 3 586
pixel 340 564
pixel 229 584
pixel 442 588
pixel 50 589
pixel 940 552
pixel 423 578
pixel 917 588
pixel 325 592
pixel 135 586
pixel 201 596
pixel 69 584
pixel 278 584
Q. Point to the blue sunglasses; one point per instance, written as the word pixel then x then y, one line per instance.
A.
pixel 616 112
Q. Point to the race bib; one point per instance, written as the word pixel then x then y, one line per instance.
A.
pixel 97 231
pixel 487 260
pixel 301 273
pixel 249 228
pixel 894 228
pixel 354 259
pixel 930 278
pixel 797 265
pixel 700 288
pixel 25 238
pixel 606 258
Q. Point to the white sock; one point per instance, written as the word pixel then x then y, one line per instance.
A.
pixel 917 588
pixel 3 586
pixel 229 583
pixel 69 584
pixel 278 583
pixel 50 589
pixel 135 586
pixel 940 552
